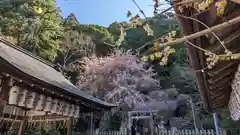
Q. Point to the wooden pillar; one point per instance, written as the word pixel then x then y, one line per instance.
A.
pixel 2 105
pixel 22 124
pixel 129 123
pixel 216 124
pixel 151 123
pixel 69 126
pixel 6 84
pixel 91 124
pixel 21 128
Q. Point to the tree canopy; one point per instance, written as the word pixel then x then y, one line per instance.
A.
pixel 34 25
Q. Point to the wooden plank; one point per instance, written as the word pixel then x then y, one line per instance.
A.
pixel 46 117
pixel 214 80
pixel 218 48
pixel 9 119
pixel 200 59
pixel 224 66
pixel 43 120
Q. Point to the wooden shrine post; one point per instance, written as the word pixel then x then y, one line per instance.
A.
pixel 216 124
pixel 151 124
pixel 22 124
pixel 69 126
pixel 21 128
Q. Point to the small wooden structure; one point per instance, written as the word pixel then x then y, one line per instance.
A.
pixel 215 83
pixel 32 92
pixel 134 116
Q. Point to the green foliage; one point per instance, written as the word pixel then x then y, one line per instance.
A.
pixel 74 46
pixel 140 31
pixel 42 131
pixel 101 37
pixel 38 33
pixel 135 38
pixel 98 33
pixel 129 14
pixel 115 29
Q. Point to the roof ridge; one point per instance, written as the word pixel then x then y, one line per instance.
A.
pixel 26 52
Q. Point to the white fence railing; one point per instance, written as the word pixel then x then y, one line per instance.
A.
pixel 157 132
pixel 109 132
pixel 185 132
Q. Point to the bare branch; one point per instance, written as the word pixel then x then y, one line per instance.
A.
pixel 226 50
pixel 203 32
pixel 141 11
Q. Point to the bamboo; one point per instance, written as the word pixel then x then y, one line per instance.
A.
pixel 203 32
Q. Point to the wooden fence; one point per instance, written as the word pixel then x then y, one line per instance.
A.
pixel 157 132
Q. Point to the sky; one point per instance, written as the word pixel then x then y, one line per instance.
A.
pixel 103 12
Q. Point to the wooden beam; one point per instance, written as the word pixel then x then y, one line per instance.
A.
pixel 141 117
pixel 139 112
pixel 236 1
pixel 9 119
pixel 45 117
pixel 57 119
pixel 218 48
pixel 221 68
pixel 203 32
pixel 34 119
pixel 7 83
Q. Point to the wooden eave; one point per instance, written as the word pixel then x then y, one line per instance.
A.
pixel 214 84
pixel 87 102
pixel 43 87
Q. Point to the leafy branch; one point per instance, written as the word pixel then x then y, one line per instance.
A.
pixel 212 58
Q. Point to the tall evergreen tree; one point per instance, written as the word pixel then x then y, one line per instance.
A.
pixel 34 25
